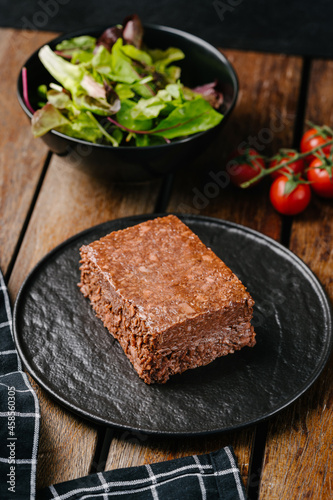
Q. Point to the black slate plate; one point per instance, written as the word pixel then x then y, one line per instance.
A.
pixel 69 352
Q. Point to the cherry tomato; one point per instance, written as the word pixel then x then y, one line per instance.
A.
pixel 311 139
pixel 244 166
pixel 320 178
pixel 294 202
pixel 297 166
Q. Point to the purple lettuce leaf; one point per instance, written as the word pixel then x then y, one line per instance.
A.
pixel 109 37
pixel 133 31
pixel 211 92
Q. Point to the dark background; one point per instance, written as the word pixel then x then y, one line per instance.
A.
pixel 291 27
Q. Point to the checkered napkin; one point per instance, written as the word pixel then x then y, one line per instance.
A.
pixel 199 477
pixel 206 477
pixel 19 416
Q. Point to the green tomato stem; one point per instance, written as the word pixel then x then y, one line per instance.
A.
pixel 268 171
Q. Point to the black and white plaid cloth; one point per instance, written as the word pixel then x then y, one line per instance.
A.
pixel 19 415
pixel 203 477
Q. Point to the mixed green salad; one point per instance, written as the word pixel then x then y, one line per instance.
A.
pixel 114 90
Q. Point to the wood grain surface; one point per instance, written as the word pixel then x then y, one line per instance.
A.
pixel 70 200
pixel 21 157
pixel 264 115
pixel 298 458
pixel 43 204
pixel 129 449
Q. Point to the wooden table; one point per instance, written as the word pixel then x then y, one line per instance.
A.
pixel 44 201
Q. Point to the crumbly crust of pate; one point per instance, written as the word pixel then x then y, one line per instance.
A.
pixel 168 299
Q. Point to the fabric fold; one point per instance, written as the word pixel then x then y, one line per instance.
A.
pixel 212 476
pixel 19 415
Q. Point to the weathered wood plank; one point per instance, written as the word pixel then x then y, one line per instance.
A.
pixel 131 449
pixel 21 157
pixel 66 443
pixel 298 457
pixel 70 201
pixel 264 115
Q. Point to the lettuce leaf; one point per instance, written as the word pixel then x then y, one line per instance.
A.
pixel 50 118
pixel 124 91
pixel 211 92
pixel 82 128
pixel 98 106
pixel 121 65
pixel 137 55
pixel 61 100
pixel 101 61
pixel 162 58
pixel 193 117
pixel 133 30
pixel 81 56
pixel 124 117
pixel 116 77
pixel 85 42
pixel 46 119
pixel 151 108
pixel 109 37
pixel 66 73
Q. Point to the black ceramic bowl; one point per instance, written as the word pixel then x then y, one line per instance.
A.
pixel 203 63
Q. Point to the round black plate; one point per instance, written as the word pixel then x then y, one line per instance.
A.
pixel 69 352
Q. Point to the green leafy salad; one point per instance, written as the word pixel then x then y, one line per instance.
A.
pixel 113 90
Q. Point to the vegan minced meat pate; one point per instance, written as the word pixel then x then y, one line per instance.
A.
pixel 168 299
